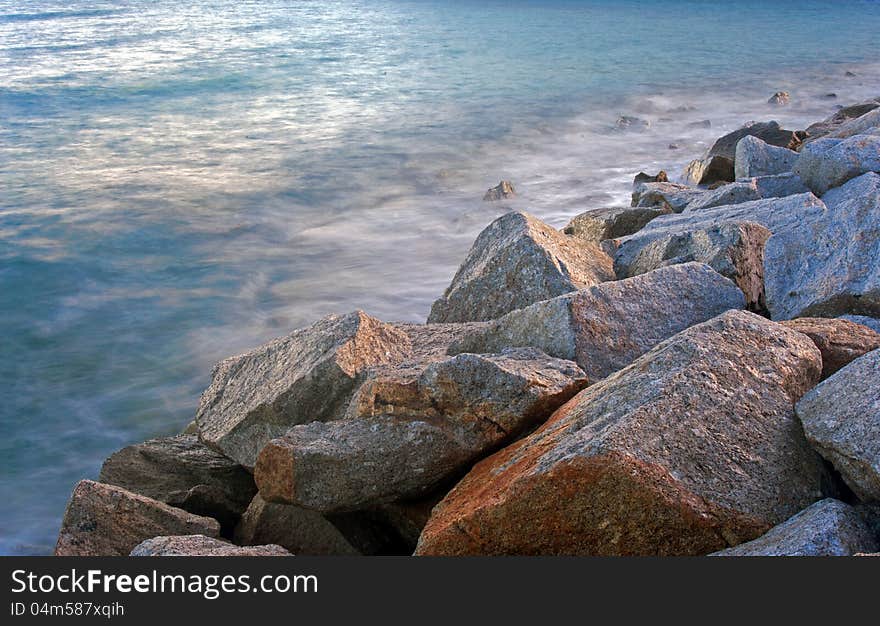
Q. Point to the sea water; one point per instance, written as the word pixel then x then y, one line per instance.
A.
pixel 180 181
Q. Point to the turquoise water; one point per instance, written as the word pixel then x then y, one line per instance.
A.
pixel 182 180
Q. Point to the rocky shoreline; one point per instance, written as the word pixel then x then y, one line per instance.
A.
pixel 697 373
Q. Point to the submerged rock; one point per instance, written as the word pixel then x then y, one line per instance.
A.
pixel 600 224
pixel 827 528
pixel 183 472
pixel 734 250
pixel 780 98
pixel 839 341
pixel 605 327
pixel 518 260
pixel 841 419
pixel 755 157
pixel 408 437
pixel 306 376
pixel 828 263
pixel 502 191
pixel 199 545
pixel 828 163
pixel 104 520
pixel 692 448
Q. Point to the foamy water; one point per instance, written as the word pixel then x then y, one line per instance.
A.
pixel 178 183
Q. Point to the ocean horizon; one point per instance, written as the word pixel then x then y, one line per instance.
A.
pixel 180 182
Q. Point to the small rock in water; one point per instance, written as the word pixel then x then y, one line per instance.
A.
pixel 830 96
pixel 780 98
pixel 673 146
pixel 627 122
pixel 641 177
pixel 849 74
pixel 502 191
pixel 701 124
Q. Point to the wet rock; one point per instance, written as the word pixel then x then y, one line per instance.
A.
pixel 734 250
pixel 780 185
pixel 600 224
pixel 827 528
pixel 185 473
pixel 769 132
pixel 839 341
pixel 718 169
pixel 672 196
pixel 733 193
pixel 641 177
pixel 841 419
pixel 780 98
pixel 606 327
pixel 199 545
pixel 518 260
pixel 829 263
pixel 306 376
pixel 827 163
pixel 502 191
pixel 299 530
pixel 407 437
pixel 755 157
pixel 871 322
pixel 691 449
pixel 104 520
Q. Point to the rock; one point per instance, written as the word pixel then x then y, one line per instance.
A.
pixel 864 124
pixel 408 437
pixel 103 520
pixel 829 263
pixel 692 448
pixel 718 169
pixel 839 119
pixel 600 224
pixel 827 163
pixel 672 196
pixel 827 528
pixel 641 177
pixel 733 193
pixel 755 157
pixel 298 530
pixel 871 322
pixel 734 250
pixel 780 185
pixel 191 429
pixel 839 341
pixel 306 376
pixel 830 96
pixel 628 122
pixel 841 419
pixel 199 545
pixel 693 173
pixel 606 327
pixel 183 472
pixel 502 191
pixel 780 98
pixel 518 260
pixel 769 132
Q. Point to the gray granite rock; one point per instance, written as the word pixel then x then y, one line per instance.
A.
pixel 518 260
pixel 755 157
pixel 841 419
pixel 692 448
pixel 827 528
pixel 306 376
pixel 598 225
pixel 827 163
pixel 672 196
pixel 199 545
pixel 607 326
pixel 780 185
pixel 828 264
pixel 769 132
pixel 733 193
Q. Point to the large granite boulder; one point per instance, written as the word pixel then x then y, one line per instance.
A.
pixel 840 341
pixel 841 419
pixel 780 185
pixel 827 528
pixel 600 224
pixel 199 545
pixel 756 157
pixel 299 530
pixel 518 260
pixel 717 170
pixel 841 119
pixel 185 473
pixel 827 163
pixel 671 196
pixel 867 124
pixel 734 193
pixel 104 520
pixel 607 326
pixel 306 376
pixel 692 448
pixel 734 250
pixel 871 322
pixel 829 263
pixel 769 132
pixel 409 437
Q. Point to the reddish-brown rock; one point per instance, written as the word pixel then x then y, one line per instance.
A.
pixel 839 341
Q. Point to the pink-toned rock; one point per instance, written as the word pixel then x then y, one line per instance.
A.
pixel 199 545
pixel 839 341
